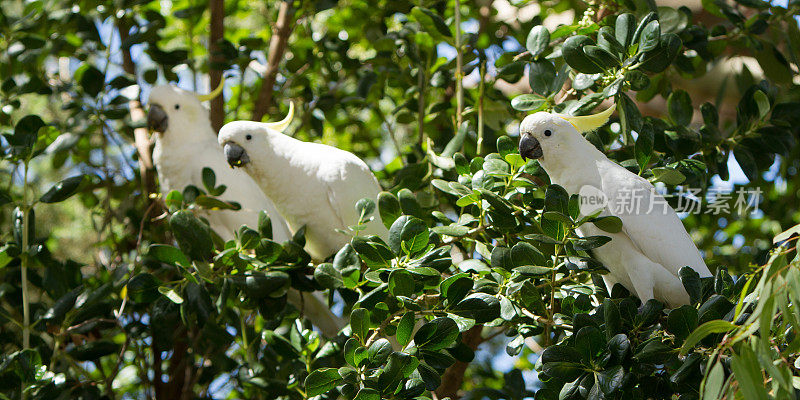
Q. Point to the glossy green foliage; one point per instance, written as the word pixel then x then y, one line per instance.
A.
pixel 130 294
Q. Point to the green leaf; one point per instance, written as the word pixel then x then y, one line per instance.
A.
pixel 451 230
pixel 405 328
pixel 143 288
pixel 637 79
pixel 681 322
pixel 328 276
pixel 560 352
pixel 747 371
pixel 637 35
pixel 610 223
pixel 590 342
pixel 607 41
pixel 170 294
pixel 408 203
pixel 691 282
pixel 629 116
pixel 589 242
pixel 209 179
pixel 746 161
pixel 399 367
pixel 401 283
pixel 544 239
pixel 505 146
pixel 650 36
pixel 481 307
pixel 610 380
pixel 365 207
pixel 374 254
pixel 321 380
pixel 367 394
pixel 511 72
pixel 93 350
pixel 359 323
pixel 259 284
pixel 572 51
pixel 654 351
pixel 193 236
pixel 90 78
pixel 388 208
pixel 524 253
pixel 211 203
pixel 264 225
pixel 668 175
pixel 708 328
pixel 455 288
pixel 538 40
pixel 532 298
pixel 649 313
pixel 63 190
pixel 624 29
pixel 379 351
pixel 612 318
pixel 436 334
pixel 541 76
pixel 644 146
pixel 431 22
pixel 408 234
pixel 786 234
pixel 430 376
pixel 712 384
pixel 762 101
pixel 619 345
pixel 26 132
pixel 679 105
pixel 168 254
pixel 601 56
pixel 268 251
pixel 688 368
pixel 661 57
pixel 528 102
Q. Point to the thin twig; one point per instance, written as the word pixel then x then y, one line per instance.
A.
pixel 481 93
pixel 277 46
pixel 459 67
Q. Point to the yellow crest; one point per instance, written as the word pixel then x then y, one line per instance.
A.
pixel 214 93
pixel 586 123
pixel 284 123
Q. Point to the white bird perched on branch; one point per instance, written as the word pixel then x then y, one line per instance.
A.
pixel 185 143
pixel 647 254
pixel 312 184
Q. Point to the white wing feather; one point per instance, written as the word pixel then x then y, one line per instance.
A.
pixel 656 231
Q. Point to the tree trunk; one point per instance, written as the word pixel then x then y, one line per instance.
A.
pixel 217 28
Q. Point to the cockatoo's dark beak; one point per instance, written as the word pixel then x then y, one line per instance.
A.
pixel 235 154
pixel 529 147
pixel 157 119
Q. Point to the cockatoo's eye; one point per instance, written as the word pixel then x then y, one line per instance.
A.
pixel 248 137
pixel 547 132
pixel 177 106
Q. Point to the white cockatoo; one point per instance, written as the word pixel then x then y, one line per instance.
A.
pixel 312 184
pixel 185 143
pixel 653 245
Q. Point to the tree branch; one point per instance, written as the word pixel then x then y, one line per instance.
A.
pixel 141 139
pixel 277 46
pixel 217 30
pixel 454 376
